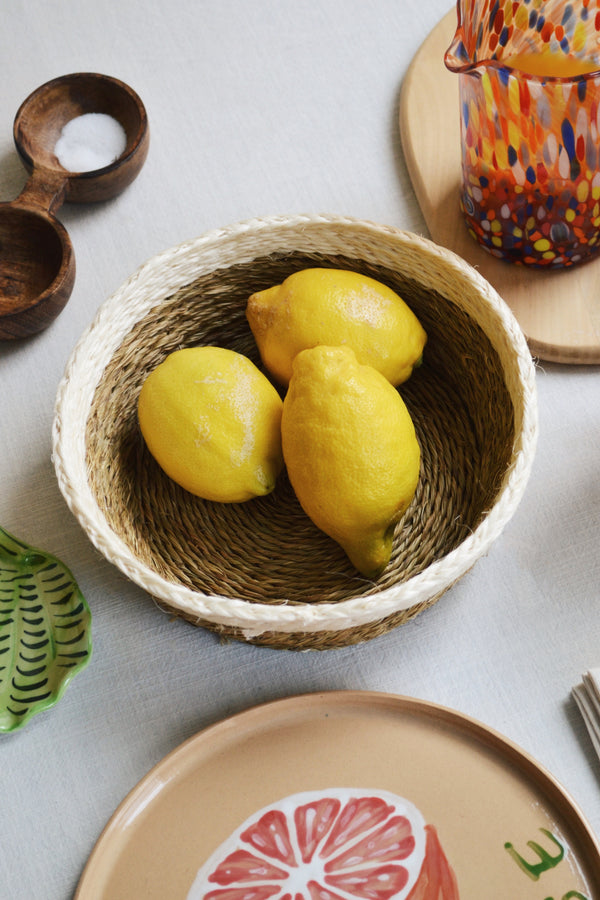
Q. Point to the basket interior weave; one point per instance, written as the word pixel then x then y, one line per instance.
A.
pixel 267 550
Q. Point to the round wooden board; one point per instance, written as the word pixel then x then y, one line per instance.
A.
pixel 559 311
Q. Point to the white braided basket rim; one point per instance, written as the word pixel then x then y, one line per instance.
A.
pixel 158 278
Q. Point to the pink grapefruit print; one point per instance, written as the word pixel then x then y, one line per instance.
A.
pixel 337 844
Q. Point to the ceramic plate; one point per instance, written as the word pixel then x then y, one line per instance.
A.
pixel 506 827
pixel 45 631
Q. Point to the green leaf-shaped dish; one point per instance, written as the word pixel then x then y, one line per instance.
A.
pixel 45 631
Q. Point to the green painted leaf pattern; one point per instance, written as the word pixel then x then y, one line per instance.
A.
pixel 45 631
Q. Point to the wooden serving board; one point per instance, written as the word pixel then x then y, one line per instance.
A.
pixel 559 311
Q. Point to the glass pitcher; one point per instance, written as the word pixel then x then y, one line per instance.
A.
pixel 529 86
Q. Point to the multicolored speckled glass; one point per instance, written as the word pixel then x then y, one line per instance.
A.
pixel 530 143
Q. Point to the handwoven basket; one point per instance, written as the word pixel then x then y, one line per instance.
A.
pixel 261 571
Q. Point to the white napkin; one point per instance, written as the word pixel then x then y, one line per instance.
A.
pixel 587 697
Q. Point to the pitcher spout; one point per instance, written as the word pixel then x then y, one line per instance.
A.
pixel 489 31
pixel 462 56
pixel 457 58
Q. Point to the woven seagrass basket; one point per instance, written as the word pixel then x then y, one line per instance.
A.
pixel 261 571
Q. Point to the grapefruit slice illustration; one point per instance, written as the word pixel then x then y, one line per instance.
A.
pixel 337 844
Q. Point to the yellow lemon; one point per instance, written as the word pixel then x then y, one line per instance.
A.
pixel 212 421
pixel 335 307
pixel 351 452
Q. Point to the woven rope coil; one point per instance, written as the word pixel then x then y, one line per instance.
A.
pixel 260 571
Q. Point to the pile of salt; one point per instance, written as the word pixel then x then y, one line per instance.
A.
pixel 90 141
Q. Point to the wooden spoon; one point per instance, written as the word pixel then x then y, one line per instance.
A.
pixel 37 263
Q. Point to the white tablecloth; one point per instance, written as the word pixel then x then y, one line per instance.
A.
pixel 258 108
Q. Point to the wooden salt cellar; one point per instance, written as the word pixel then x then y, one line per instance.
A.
pixel 38 263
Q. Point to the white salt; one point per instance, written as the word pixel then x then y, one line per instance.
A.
pixel 90 141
